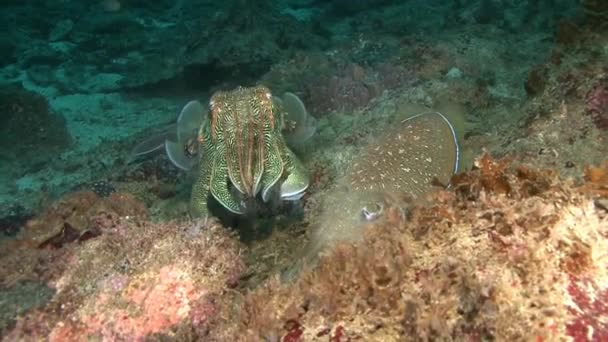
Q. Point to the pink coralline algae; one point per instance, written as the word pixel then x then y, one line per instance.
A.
pixel 597 105
pixel 144 282
pixel 590 311
pixel 163 299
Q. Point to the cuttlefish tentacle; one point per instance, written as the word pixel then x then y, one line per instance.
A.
pixel 219 185
pixel 245 124
pixel 212 176
pixel 226 119
pixel 220 189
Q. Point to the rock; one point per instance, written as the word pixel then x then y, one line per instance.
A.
pixel 61 30
pixel 7 50
pixel 27 126
pixel 454 74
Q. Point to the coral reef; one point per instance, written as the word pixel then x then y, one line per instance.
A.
pixel 562 124
pixel 102 188
pixel 511 254
pixel 330 83
pixel 14 220
pixel 114 50
pixel 596 12
pixel 74 219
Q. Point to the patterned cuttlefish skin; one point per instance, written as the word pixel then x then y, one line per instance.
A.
pixel 412 158
pixel 242 148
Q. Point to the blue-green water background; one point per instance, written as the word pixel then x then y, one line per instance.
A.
pixel 82 81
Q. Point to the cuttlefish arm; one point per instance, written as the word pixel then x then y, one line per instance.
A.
pixel 298 179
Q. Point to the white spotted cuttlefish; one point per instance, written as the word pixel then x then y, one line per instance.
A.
pixel 411 159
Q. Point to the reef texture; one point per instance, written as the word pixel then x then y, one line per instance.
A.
pixel 563 124
pixel 128 281
pixel 115 48
pixel 511 254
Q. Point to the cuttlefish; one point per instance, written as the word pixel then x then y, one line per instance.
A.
pixel 411 159
pixel 240 143
pixel 243 148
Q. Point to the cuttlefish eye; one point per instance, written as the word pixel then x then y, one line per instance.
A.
pixel 268 96
pixel 371 214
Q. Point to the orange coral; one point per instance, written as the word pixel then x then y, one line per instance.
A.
pixel 492 177
pixel 597 180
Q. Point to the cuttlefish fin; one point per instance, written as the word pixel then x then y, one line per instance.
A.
pixel 189 120
pixel 153 143
pixel 299 124
pixel 183 150
pixel 178 156
pixel 451 142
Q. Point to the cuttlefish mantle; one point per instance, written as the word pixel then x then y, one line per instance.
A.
pixel 411 159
